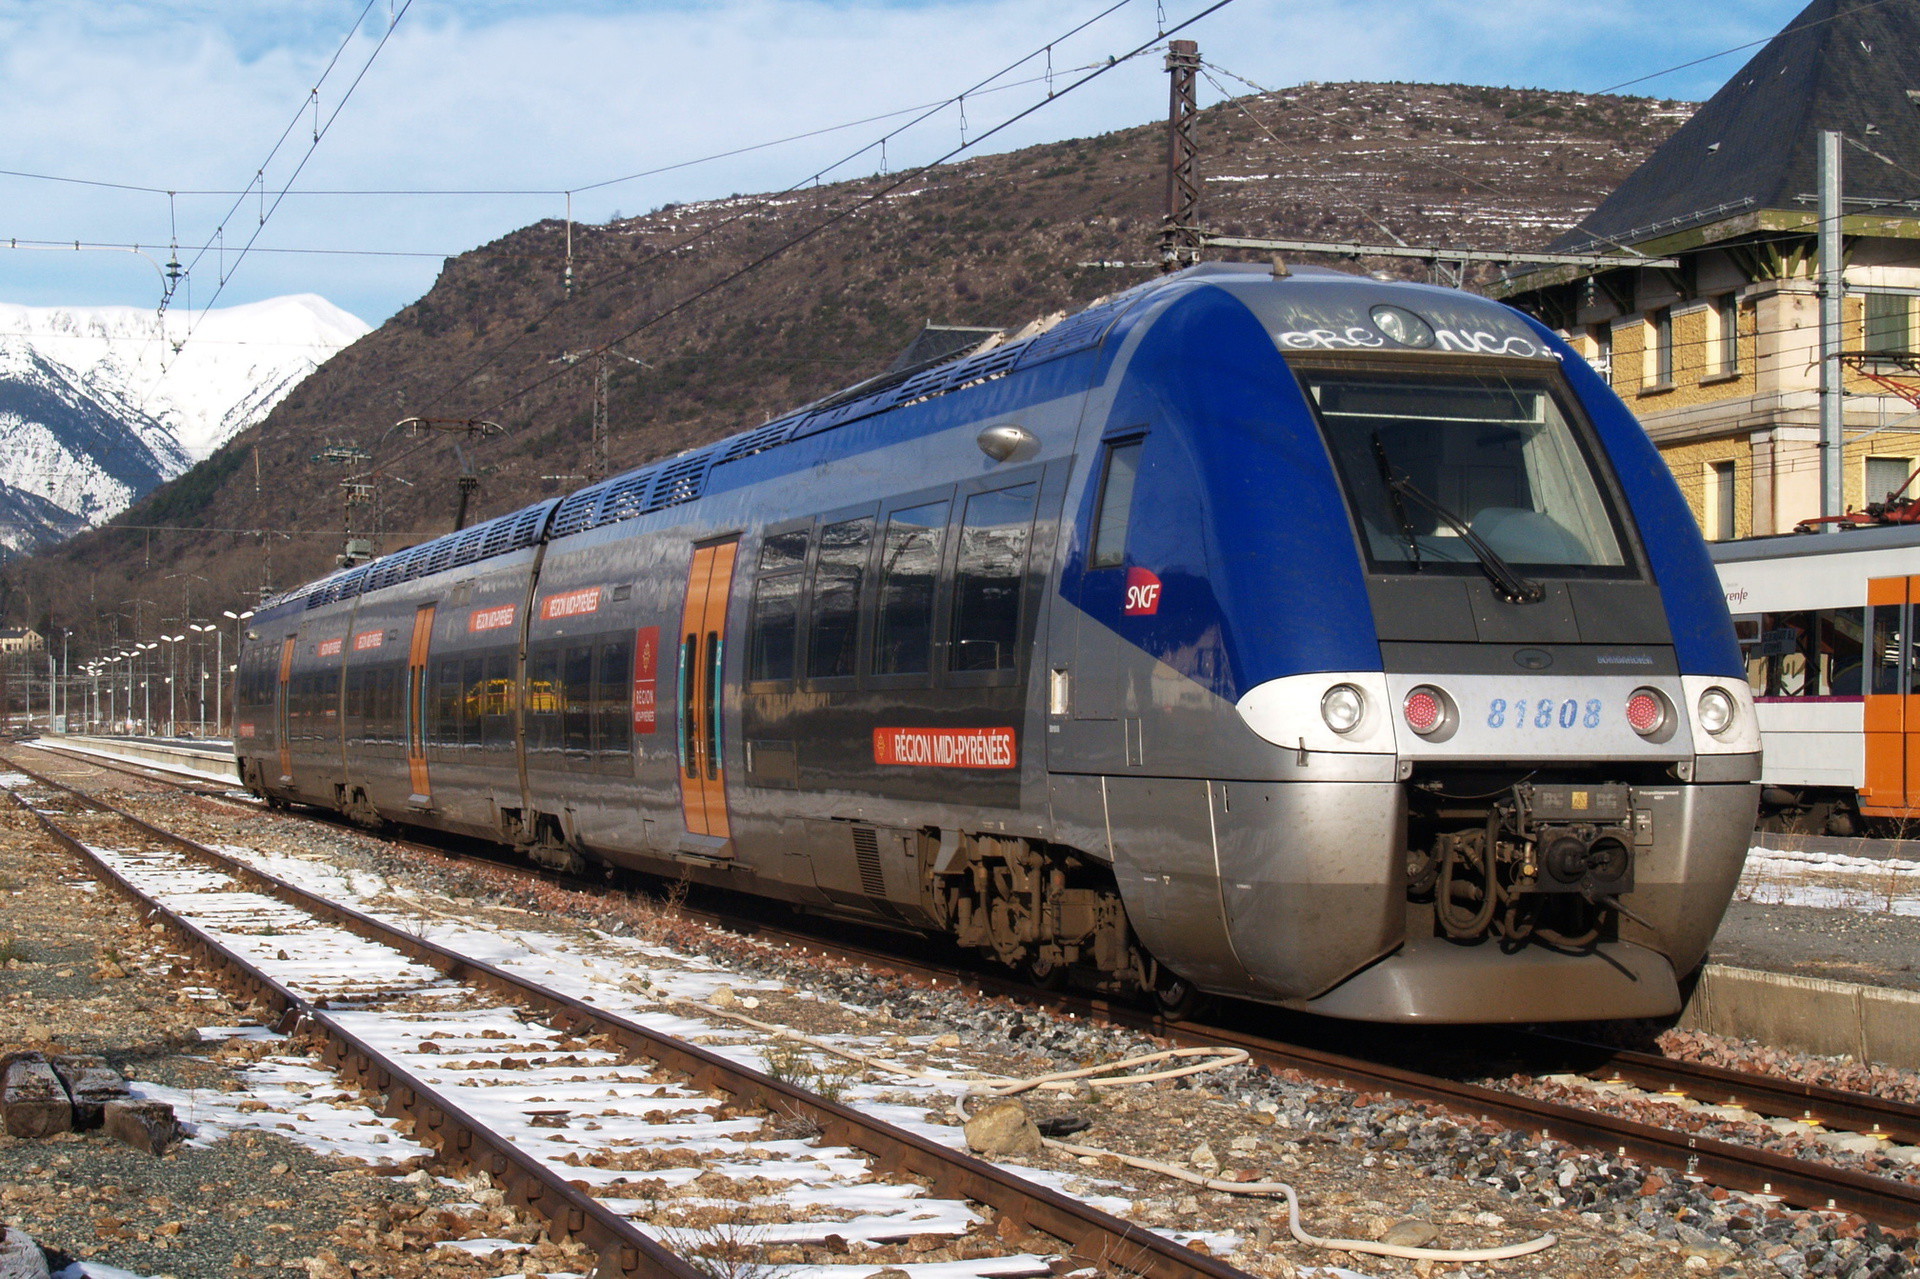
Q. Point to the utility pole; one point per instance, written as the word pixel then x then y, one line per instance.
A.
pixel 597 447
pixel 598 464
pixel 473 429
pixel 1832 283
pixel 358 491
pixel 1180 233
pixel 1182 236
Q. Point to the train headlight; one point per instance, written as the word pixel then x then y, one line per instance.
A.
pixel 1647 711
pixel 1426 710
pixel 1716 711
pixel 1342 707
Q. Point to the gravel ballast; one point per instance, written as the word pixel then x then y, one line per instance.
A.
pixel 1366 1165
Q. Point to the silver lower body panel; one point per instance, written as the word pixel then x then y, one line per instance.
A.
pixel 1433 980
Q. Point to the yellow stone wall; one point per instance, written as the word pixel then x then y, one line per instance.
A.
pixel 1629 351
pixel 1690 462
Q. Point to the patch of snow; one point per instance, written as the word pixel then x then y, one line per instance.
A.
pixel 236 363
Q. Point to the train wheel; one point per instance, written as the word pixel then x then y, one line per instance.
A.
pixel 1176 997
pixel 1044 974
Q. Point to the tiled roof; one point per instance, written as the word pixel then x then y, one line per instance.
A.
pixel 1841 64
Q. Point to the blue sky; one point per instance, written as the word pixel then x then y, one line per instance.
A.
pixel 544 96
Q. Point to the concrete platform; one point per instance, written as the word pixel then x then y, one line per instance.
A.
pixel 202 760
pixel 1808 1014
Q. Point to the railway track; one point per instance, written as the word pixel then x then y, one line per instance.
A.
pixel 457 1044
pixel 1804 1107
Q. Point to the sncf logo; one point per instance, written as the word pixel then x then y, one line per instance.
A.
pixel 1143 593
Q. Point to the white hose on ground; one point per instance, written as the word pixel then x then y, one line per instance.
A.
pixel 1102 1076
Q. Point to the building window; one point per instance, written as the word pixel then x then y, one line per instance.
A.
pixel 1601 335
pixel 1888 322
pixel 1659 358
pixel 1720 501
pixel 1887 476
pixel 1723 337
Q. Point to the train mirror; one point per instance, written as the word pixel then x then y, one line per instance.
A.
pixel 1008 443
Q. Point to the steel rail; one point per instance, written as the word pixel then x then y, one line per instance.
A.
pixel 458 1136
pixel 1763 1094
pixel 1092 1237
pixel 1883 1200
pixel 1804 1183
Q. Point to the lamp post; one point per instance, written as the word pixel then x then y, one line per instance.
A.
pixel 202 629
pixel 146 687
pixel 173 668
pixel 239 627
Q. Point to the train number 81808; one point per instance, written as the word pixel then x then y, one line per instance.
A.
pixel 1544 712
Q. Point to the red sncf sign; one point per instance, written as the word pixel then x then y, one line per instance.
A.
pixel 1143 593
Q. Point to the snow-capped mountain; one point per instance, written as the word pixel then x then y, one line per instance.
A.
pixel 100 405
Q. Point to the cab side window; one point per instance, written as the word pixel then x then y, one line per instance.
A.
pixel 1116 505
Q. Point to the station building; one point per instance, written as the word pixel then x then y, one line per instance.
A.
pixel 1720 359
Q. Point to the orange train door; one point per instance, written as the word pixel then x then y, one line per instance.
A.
pixel 283 723
pixel 702 658
pixel 1891 717
pixel 422 796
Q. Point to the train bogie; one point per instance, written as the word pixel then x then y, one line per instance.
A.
pixel 1215 638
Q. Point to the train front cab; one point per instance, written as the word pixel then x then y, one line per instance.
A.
pixel 1264 849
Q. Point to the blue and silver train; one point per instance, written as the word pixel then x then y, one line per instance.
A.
pixel 1296 636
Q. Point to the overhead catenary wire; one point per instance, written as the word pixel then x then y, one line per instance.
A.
pixel 320 131
pixel 1623 84
pixel 754 207
pixel 1047 52
pixel 549 192
pixel 868 200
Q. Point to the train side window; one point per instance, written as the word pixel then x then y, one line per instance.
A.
pixel 909 572
pixel 446 702
pixel 1817 653
pixel 1116 504
pixel 576 693
pixel 543 700
pixel 473 691
pixel 1842 651
pixel 613 732
pixel 784 552
pixel 988 578
pixel 496 706
pixel 391 680
pixel 775 627
pixel 839 569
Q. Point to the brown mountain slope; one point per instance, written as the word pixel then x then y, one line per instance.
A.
pixel 995 241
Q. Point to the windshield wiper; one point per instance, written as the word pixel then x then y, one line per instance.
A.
pixel 1507 583
pixel 1399 505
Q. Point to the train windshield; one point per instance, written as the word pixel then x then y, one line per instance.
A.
pixel 1458 472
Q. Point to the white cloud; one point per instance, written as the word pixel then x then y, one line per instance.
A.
pixel 516 94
